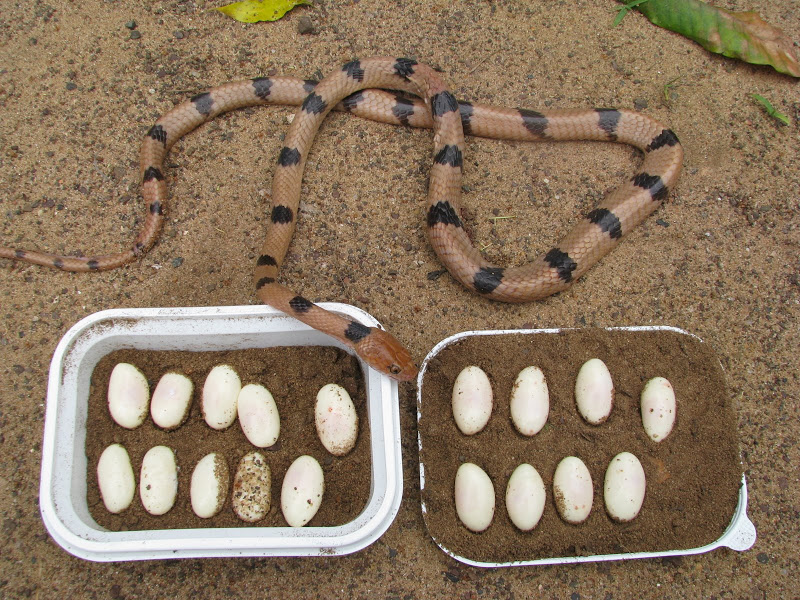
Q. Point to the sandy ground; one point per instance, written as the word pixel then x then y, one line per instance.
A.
pixel 720 259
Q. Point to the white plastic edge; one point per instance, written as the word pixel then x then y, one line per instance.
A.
pixel 740 534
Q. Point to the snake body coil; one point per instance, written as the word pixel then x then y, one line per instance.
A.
pixel 353 89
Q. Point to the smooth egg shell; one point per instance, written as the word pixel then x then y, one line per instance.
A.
pixel 128 396
pixel 594 391
pixel 252 488
pixel 158 482
pixel 171 400
pixel 474 497
pixel 624 487
pixel 258 415
pixel 572 490
pixel 530 401
pixel 336 419
pixel 220 392
pixel 472 400
pixel 115 478
pixel 302 490
pixel 525 497
pixel 658 408
pixel 209 486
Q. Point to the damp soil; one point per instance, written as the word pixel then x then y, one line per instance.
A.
pixel 293 375
pixel 693 476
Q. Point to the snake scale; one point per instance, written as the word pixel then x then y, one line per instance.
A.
pixel 358 87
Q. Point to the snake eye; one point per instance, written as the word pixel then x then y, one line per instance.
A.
pixel 395 370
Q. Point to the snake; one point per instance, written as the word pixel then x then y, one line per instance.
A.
pixel 402 91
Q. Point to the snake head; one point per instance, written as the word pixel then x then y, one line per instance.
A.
pixel 381 351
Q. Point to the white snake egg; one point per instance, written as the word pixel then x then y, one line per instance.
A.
pixel 572 490
pixel 624 487
pixel 258 415
pixel 525 497
pixel 472 400
pixel 220 392
pixel 658 408
pixel 594 391
pixel 158 482
pixel 336 419
pixel 209 486
pixel 302 490
pixel 128 396
pixel 115 478
pixel 530 401
pixel 171 400
pixel 474 497
pixel 252 488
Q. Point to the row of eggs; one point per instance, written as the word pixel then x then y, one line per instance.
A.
pixel 223 399
pixel 573 493
pixel 472 400
pixel 301 492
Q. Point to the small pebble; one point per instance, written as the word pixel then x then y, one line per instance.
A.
pixel 130 25
pixel 305 26
pixel 135 35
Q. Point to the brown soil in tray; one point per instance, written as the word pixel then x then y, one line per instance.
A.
pixel 693 476
pixel 293 375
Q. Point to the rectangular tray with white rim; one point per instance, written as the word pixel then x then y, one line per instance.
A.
pixel 740 535
pixel 63 502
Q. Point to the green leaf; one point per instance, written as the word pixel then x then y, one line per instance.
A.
pixel 253 11
pixel 771 110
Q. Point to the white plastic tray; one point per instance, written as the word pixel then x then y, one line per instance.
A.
pixel 740 534
pixel 62 494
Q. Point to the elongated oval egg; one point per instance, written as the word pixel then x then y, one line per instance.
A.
pixel 258 415
pixel 128 396
pixel 115 478
pixel 252 488
pixel 472 400
pixel 525 497
pixel 302 491
pixel 658 408
pixel 530 401
pixel 474 497
pixel 572 490
pixel 624 487
pixel 594 391
pixel 209 486
pixel 158 482
pixel 336 419
pixel 171 400
pixel 220 392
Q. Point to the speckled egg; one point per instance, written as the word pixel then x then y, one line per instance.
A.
pixel 530 401
pixel 220 392
pixel 624 487
pixel 472 400
pixel 258 415
pixel 302 491
pixel 594 391
pixel 209 486
pixel 572 490
pixel 658 408
pixel 525 497
pixel 474 497
pixel 115 478
pixel 128 396
pixel 171 400
pixel 158 482
pixel 252 488
pixel 336 419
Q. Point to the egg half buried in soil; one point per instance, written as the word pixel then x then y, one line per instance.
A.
pixel 220 392
pixel 594 391
pixel 252 488
pixel 525 497
pixel 624 487
pixel 302 490
pixel 530 401
pixel 336 419
pixel 115 478
pixel 209 485
pixel 258 415
pixel 572 490
pixel 474 497
pixel 171 400
pixel 658 408
pixel 128 396
pixel 472 400
pixel 158 483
